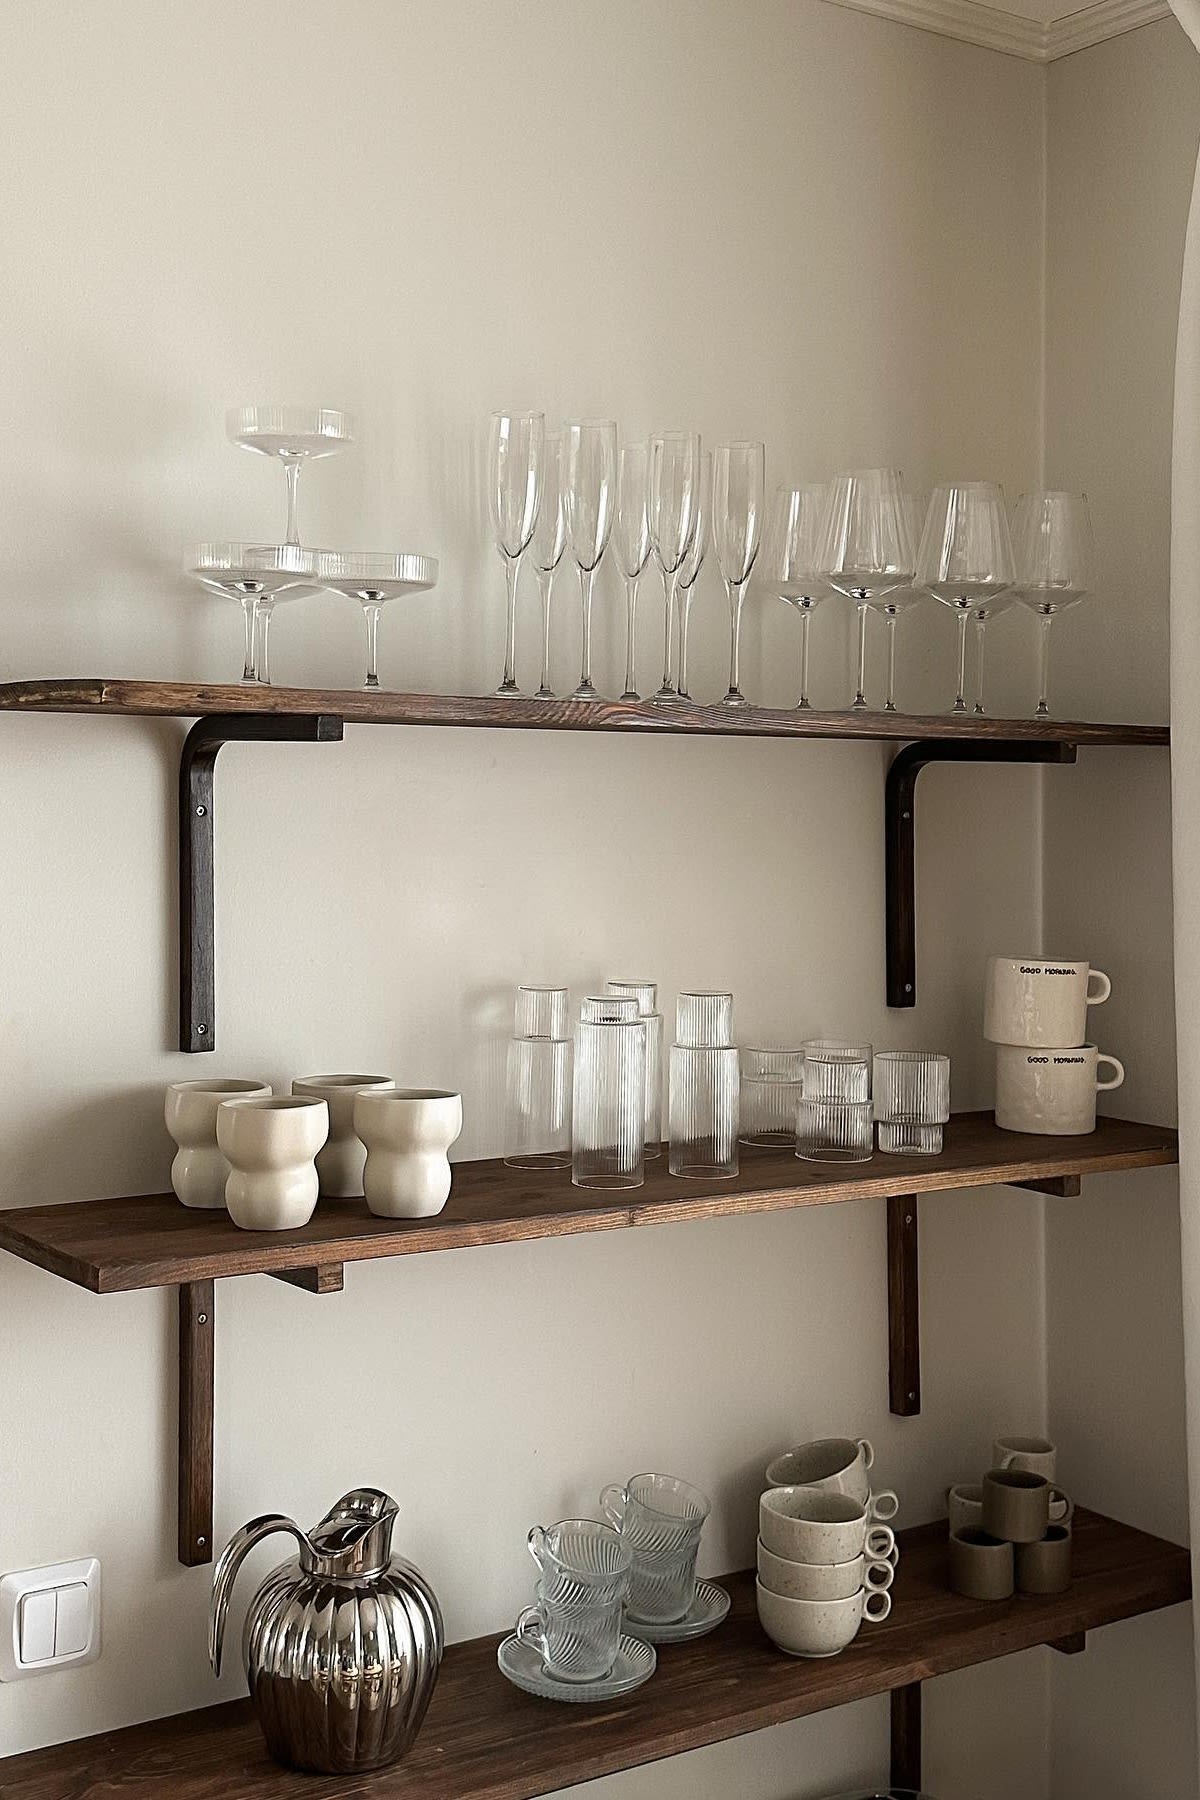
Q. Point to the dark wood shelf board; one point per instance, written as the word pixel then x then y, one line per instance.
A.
pixel 150 1240
pixel 182 699
pixel 483 1740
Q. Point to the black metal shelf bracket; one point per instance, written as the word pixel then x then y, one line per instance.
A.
pixel 197 977
pixel 899 839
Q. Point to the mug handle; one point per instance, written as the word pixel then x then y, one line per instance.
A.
pixel 878 1575
pixel 1059 1499
pixel 868 1453
pixel 613 1501
pixel 530 1629
pixel 536 1544
pixel 879 1543
pixel 884 1505
pixel 882 1609
pixel 1104 990
pixel 1007 1460
pixel 1102 1086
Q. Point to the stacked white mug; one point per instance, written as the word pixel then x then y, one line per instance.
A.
pixel 1047 1073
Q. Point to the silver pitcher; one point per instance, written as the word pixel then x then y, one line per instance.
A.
pixel 342 1644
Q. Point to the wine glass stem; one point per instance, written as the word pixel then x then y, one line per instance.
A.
pixel 1043 706
pixel 960 698
pixel 631 600
pixel 512 569
pixel 668 625
pixel 736 591
pixel 586 578
pixel 805 622
pixel 890 703
pixel 545 579
pixel 262 662
pixel 685 613
pixel 860 694
pixel 291 472
pixel 980 641
pixel 371 612
pixel 248 670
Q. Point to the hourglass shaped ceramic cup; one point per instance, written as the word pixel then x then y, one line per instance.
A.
pixel 660 1519
pixel 408 1133
pixel 342 1157
pixel 271 1145
pixel 201 1169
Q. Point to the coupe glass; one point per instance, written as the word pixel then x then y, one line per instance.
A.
pixel 966 556
pixel 589 485
pixel 373 577
pixel 295 435
pixel 633 546
pixel 516 444
pixel 739 472
pixel 866 547
pixel 1055 556
pixel 547 545
pixel 690 568
pixel 672 500
pixel 792 553
pixel 900 599
pixel 256 576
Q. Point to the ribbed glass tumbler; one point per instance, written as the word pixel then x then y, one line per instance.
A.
pixel 912 1101
pixel 609 1128
pixel 836 1070
pixel 646 995
pixel 834 1131
pixel 538 1122
pixel 704 1088
pixel 772 1082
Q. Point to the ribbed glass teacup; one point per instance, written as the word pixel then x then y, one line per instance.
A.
pixel 660 1518
pixel 583 1563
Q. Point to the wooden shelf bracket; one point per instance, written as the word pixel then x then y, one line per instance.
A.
pixel 197 976
pixel 906 1736
pixel 904 1307
pixel 195 1422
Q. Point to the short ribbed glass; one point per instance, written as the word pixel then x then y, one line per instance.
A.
pixel 770 1093
pixel 836 1070
pixel 609 1126
pixel 538 1119
pixel 646 995
pixel 833 1131
pixel 912 1101
pixel 704 1019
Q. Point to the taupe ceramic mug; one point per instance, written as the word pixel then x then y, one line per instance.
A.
pixel 1016 1505
pixel 981 1566
pixel 964 1505
pixel 1045 1567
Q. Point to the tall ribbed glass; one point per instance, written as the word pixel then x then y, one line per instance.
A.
pixel 609 1128
pixel 912 1100
pixel 646 995
pixel 704 1087
pixel 538 1121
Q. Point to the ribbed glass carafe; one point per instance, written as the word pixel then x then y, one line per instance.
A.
pixel 646 995
pixel 609 1128
pixel 538 1123
pixel 704 1086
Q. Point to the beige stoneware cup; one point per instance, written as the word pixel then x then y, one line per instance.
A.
pixel 1051 1093
pixel 964 1506
pixel 981 1566
pixel 201 1168
pixel 804 1524
pixel 1036 1000
pixel 341 1159
pixel 841 1465
pixel 822 1581
pixel 271 1145
pixel 816 1628
pixel 1037 1456
pixel 1016 1505
pixel 1044 1567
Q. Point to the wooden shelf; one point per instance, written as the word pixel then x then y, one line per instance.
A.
pixel 484 1740
pixel 181 699
pixel 149 1240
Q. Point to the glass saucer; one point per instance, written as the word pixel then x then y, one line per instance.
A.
pixel 522 1665
pixel 704 1614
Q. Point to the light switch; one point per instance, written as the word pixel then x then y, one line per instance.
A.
pixel 49 1618
pixel 73 1623
pixel 37 1627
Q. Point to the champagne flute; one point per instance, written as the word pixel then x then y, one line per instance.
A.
pixel 373 577
pixel 547 545
pixel 739 472
pixel 866 547
pixel 633 546
pixel 691 566
pixel 1055 557
pixel 792 553
pixel 966 556
pixel 295 435
pixel 672 499
pixel 516 443
pixel 589 503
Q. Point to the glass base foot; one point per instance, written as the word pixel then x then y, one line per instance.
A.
pixel 665 695
pixel 1043 711
pixel 735 697
pixel 979 711
pixel 372 682
pixel 585 691
pixel 859 703
pixel 804 705
pixel 508 688
pixel 960 706
pixel 889 706
pixel 631 695
pixel 545 693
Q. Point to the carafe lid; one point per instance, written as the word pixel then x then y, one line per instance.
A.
pixel 644 992
pixel 609 1009
pixel 704 1020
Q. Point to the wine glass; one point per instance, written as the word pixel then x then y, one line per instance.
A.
pixel 986 610
pixel 672 498
pixel 589 486
pixel 691 566
pixel 633 546
pixel 866 547
pixel 739 472
pixel 516 444
pixel 295 435
pixel 966 556
pixel 256 576
pixel 547 545
pixel 792 554
pixel 373 577
pixel 900 599
pixel 1055 557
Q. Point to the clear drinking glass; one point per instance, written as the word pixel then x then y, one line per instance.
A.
pixel 892 605
pixel 646 995
pixel 373 577
pixel 547 545
pixel 690 567
pixel 590 503
pixel 633 546
pixel 703 1088
pixel 295 435
pixel 609 1127
pixel 575 1643
pixel 793 554
pixel 256 576
pixel 837 1070
pixel 516 444
pixel 771 1086
pixel 834 1131
pixel 1055 564
pixel 661 1519
pixel 866 547
pixel 966 558
pixel 912 1100
pixel 739 475
pixel 539 1081
pixel 671 503
pixel 580 1562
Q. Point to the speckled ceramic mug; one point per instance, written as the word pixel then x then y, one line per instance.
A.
pixel 816 1628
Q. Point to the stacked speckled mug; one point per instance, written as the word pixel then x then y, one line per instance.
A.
pixel 1047 1073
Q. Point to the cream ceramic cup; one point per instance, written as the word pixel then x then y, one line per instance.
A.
pixel 840 1465
pixel 822 1581
pixel 341 1159
pixel 201 1168
pixel 1051 1093
pixel 804 1524
pixel 819 1627
pixel 408 1133
pixel 964 1506
pixel 1040 1001
pixel 271 1145
pixel 1037 1456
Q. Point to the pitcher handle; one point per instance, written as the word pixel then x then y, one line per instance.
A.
pixel 226 1572
pixel 613 1501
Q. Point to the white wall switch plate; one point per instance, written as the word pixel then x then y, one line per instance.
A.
pixel 49 1618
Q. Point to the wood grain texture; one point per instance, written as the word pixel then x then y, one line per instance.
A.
pixel 904 1307
pixel 149 1240
pixel 483 1740
pixel 196 1365
pixel 906 1736
pixel 326 1279
pixel 181 699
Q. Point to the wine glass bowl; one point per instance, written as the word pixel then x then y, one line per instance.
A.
pixel 516 444
pixel 965 558
pixel 866 546
pixel 293 435
pixel 672 500
pixel 738 478
pixel 792 557
pixel 373 577
pixel 1054 550
pixel 632 540
pixel 256 576
pixel 589 487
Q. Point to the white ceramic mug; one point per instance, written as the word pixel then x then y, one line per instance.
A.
pixel 201 1168
pixel 1041 1001
pixel 407 1133
pixel 819 1627
pixel 840 1465
pixel 804 1524
pixel 822 1581
pixel 271 1145
pixel 1051 1092
pixel 341 1158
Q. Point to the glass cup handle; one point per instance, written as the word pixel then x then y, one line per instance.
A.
pixel 1102 992
pixel 885 1504
pixel 1118 1078
pixel 880 1542
pixel 877 1606
pixel 878 1575
pixel 613 1501
pixel 868 1453
pixel 536 1544
pixel 530 1629
pixel 1062 1507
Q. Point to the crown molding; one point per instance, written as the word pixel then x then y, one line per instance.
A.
pixel 1013 34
